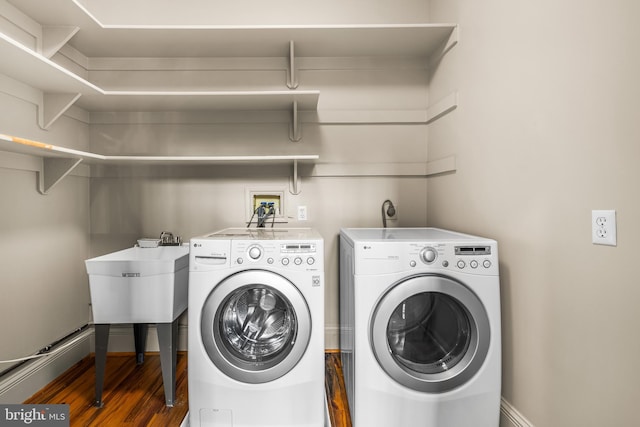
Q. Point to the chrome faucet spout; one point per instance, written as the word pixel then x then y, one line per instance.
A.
pixel 167 239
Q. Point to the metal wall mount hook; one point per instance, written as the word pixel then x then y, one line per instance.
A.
pixel 390 211
pixel 292 80
pixel 294 128
pixel 294 188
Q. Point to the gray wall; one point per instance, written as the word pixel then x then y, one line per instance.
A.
pixel 45 239
pixel 547 130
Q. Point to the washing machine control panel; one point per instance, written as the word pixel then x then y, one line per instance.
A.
pixel 255 252
pixel 291 255
pixel 477 259
pixel 428 255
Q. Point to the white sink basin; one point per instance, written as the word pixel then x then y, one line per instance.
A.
pixel 139 285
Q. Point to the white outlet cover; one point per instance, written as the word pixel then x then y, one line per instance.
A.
pixel 302 213
pixel 603 227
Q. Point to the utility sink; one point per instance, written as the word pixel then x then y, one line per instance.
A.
pixel 139 285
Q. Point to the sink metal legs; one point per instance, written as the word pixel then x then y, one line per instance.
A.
pixel 102 342
pixel 167 341
pixel 140 340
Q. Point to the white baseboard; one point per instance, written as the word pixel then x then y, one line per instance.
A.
pixel 510 417
pixel 25 381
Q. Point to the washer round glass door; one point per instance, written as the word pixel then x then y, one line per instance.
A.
pixel 255 326
pixel 430 333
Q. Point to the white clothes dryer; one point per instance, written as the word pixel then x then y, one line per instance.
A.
pixel 420 327
pixel 256 328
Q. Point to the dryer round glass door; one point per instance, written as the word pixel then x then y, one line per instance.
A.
pixel 255 326
pixel 430 333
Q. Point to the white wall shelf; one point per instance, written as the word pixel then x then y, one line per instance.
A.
pixel 432 168
pixel 62 88
pixel 59 161
pixel 37 70
pixel 349 40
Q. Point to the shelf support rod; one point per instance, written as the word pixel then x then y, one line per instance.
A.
pixel 292 82
pixel 294 129
pixel 295 191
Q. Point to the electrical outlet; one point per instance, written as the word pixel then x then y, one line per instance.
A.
pixel 603 227
pixel 302 213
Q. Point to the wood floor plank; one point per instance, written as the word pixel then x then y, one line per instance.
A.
pixel 336 391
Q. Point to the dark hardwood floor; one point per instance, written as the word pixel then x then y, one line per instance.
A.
pixel 133 394
pixel 336 392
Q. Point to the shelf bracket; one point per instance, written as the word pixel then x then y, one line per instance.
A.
pixel 53 38
pixel 53 105
pixel 294 128
pixel 295 179
pixel 53 170
pixel 442 107
pixel 292 81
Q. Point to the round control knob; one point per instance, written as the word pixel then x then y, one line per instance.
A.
pixel 285 261
pixel 461 264
pixel 297 260
pixel 255 252
pixel 239 260
pixel 486 263
pixel 311 260
pixel 269 260
pixel 428 255
pixel 412 263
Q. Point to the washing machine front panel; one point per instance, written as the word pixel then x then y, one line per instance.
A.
pixel 255 326
pixel 430 333
pixel 272 282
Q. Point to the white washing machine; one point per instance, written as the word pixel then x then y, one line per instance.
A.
pixel 420 327
pixel 256 328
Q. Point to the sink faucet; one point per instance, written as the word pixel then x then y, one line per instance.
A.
pixel 166 238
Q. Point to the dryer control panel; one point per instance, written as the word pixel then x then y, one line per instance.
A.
pixel 392 257
pixel 476 259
